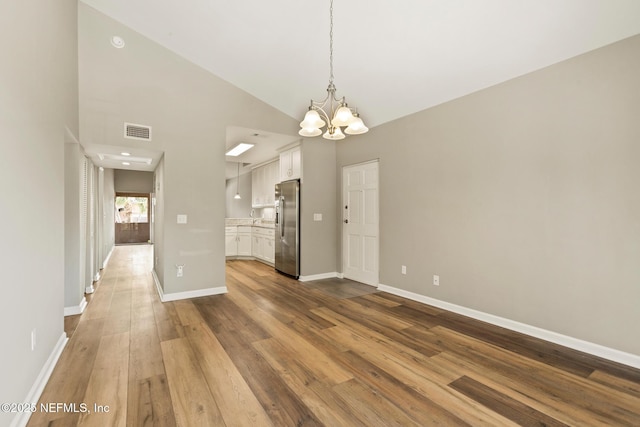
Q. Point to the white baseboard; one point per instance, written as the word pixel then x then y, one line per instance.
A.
pixel 614 355
pixel 187 294
pixel 21 419
pixel 106 260
pixel 89 289
pixel 78 309
pixel 318 276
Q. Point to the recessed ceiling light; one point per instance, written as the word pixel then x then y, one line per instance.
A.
pixel 126 163
pixel 117 42
pixel 239 149
pixel 124 153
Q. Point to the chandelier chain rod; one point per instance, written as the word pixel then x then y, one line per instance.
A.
pixel 331 42
pixel 331 111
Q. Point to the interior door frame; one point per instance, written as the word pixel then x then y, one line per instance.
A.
pixel 149 212
pixel 345 168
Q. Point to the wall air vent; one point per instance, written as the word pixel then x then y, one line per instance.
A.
pixel 134 131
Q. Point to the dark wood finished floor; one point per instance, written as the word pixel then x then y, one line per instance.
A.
pixel 274 351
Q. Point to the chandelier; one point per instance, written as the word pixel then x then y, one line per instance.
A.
pixel 331 111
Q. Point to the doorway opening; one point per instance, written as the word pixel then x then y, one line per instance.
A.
pixel 132 218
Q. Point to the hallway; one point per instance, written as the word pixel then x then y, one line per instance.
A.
pixel 274 351
pixel 113 357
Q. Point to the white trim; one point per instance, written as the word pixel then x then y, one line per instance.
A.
pixel 78 309
pixel 187 294
pixel 89 289
pixel 361 277
pixel 70 138
pixel 290 146
pixel 106 260
pixel 318 276
pixel 21 419
pixel 628 359
pixel 156 280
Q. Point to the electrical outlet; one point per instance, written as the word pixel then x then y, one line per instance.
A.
pixel 436 280
pixel 404 269
pixel 180 270
pixel 33 339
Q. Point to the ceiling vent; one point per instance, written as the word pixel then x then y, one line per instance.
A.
pixel 134 131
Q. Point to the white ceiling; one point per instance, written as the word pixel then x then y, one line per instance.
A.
pixel 114 157
pixel 391 59
pixel 265 148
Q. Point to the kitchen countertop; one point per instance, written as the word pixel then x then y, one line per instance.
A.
pixel 253 222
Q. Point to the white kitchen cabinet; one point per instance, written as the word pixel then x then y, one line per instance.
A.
pixel 231 241
pixel 237 241
pixel 255 198
pixel 244 241
pixel 291 164
pixel 263 181
pixel 272 177
pixel 268 249
pixel 256 244
pixel 263 241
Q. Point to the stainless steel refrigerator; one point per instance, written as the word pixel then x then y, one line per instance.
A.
pixel 287 250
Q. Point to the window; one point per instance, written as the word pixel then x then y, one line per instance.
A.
pixel 132 209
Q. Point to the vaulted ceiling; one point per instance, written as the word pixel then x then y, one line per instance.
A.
pixel 391 59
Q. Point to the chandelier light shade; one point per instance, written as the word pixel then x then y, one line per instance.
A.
pixel 332 112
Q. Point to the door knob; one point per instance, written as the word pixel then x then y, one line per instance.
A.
pixel 346 221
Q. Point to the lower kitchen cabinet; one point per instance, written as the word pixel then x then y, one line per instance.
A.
pixel 244 241
pixel 247 241
pixel 237 241
pixel 269 252
pixel 262 248
pixel 231 241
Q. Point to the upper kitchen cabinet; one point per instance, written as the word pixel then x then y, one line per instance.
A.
pixel 291 163
pixel 263 181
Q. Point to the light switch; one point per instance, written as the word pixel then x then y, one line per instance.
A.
pixel 317 217
pixel 182 219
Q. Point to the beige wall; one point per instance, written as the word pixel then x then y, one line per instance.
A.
pixel 318 243
pixel 74 287
pixel 128 181
pixel 522 197
pixel 38 78
pixel 189 110
pixel 157 219
pixel 238 208
pixel 108 228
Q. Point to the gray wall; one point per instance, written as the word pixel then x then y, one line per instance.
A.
pixel 108 214
pixel 522 197
pixel 38 78
pixel 128 181
pixel 74 287
pixel 189 110
pixel 318 243
pixel 157 219
pixel 238 208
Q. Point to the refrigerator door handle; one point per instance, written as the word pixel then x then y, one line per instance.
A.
pixel 282 217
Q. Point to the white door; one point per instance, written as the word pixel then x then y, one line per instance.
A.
pixel 360 222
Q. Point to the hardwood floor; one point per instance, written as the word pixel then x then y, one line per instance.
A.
pixel 274 351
